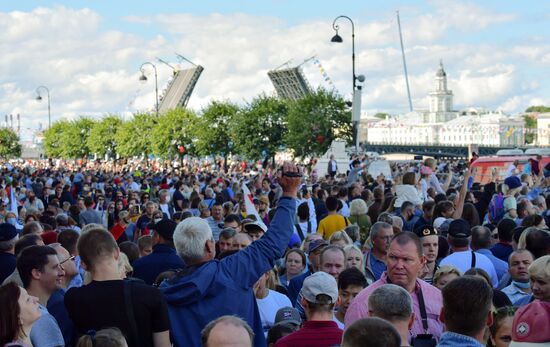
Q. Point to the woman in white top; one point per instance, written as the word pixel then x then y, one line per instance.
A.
pixel 408 191
pixel 269 302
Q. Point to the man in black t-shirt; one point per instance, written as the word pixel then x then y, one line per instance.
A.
pixel 138 310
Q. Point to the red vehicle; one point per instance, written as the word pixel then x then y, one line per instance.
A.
pixel 486 165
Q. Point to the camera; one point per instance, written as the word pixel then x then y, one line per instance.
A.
pixel 423 340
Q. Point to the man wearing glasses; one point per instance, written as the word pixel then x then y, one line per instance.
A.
pixel 56 305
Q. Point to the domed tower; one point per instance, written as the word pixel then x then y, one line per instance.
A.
pixel 441 99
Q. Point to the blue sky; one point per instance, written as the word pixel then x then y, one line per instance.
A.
pixel 496 53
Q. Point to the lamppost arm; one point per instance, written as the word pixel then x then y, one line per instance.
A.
pixel 336 27
pixel 156 83
pixel 39 97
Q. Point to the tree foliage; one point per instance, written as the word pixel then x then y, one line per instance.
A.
pixel 315 121
pixel 530 122
pixel 103 136
pixel 54 139
pixel 134 136
pixel 174 129
pixel 213 128
pixel 382 115
pixel 260 127
pixel 540 109
pixel 76 138
pixel 9 144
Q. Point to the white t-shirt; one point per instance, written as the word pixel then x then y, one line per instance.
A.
pixel 164 208
pixel 340 324
pixel 269 306
pixel 463 262
pixel 345 209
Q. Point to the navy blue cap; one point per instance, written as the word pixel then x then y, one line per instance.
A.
pixel 7 232
pixel 460 228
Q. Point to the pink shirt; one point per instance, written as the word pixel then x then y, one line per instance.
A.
pixel 432 299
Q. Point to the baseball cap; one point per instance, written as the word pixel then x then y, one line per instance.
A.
pixel 165 228
pixel 512 182
pixel 425 230
pixel 317 284
pixel 288 315
pixel 530 327
pixel 313 245
pixel 253 226
pixel 7 232
pixel 460 228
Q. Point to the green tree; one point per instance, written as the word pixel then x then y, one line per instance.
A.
pixel 75 138
pixel 134 137
pixel 540 109
pixel 381 115
pixel 9 144
pixel 315 121
pixel 54 139
pixel 103 136
pixel 174 128
pixel 530 122
pixel 213 135
pixel 260 127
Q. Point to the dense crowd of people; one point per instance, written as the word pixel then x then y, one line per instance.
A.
pixel 245 254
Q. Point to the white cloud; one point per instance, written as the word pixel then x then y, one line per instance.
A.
pixel 93 71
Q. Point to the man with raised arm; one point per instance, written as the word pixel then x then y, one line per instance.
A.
pixel 207 288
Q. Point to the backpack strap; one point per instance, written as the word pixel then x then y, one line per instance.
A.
pixel 473 265
pixel 300 232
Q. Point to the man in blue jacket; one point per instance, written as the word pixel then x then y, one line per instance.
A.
pixel 207 288
pixel 164 255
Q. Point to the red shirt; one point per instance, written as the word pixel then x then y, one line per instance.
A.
pixel 117 231
pixel 314 333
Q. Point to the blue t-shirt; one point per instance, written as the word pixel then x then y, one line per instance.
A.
pixel 377 266
pixel 45 332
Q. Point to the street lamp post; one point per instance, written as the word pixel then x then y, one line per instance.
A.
pixel 144 78
pixel 39 98
pixel 356 105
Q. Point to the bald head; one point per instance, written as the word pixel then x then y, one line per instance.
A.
pixel 227 331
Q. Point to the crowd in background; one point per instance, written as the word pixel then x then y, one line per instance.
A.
pixel 214 254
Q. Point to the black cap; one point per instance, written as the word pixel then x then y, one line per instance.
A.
pixel 165 228
pixel 425 230
pixel 460 228
pixel 7 232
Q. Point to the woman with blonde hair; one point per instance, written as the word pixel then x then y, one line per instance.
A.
pixel 358 215
pixel 340 238
pixel 354 258
pixel 539 273
pixel 445 274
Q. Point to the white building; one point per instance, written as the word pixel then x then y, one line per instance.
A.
pixel 543 129
pixel 441 125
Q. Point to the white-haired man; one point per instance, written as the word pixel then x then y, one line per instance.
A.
pixel 207 289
